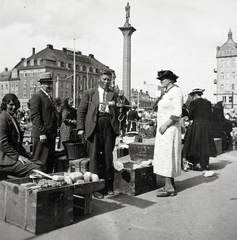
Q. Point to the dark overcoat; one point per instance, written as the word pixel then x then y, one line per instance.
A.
pixel 199 139
pixel 87 114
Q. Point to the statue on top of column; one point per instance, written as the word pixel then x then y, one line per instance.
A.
pixel 127 9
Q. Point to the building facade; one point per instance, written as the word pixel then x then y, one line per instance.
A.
pixel 23 78
pixel 226 72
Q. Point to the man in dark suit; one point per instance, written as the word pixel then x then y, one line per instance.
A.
pixel 14 159
pixel 44 123
pixel 98 119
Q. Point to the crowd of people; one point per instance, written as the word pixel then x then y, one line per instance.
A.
pixel 102 116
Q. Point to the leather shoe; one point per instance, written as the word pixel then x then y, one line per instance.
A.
pixel 110 192
pixel 166 194
pixel 98 195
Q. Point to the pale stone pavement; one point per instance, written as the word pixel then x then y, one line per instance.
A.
pixel 205 208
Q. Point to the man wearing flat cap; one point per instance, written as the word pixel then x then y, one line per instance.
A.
pixel 97 118
pixel 44 123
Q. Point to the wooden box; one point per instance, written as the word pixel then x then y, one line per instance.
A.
pixel 122 151
pixel 36 211
pixel 134 181
pixel 218 143
pixel 141 150
pixel 79 165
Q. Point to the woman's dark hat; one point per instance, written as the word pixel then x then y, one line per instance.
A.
pixel 10 96
pixel 166 74
pixel 197 90
pixel 45 77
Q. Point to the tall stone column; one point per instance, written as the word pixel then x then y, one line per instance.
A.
pixel 127 31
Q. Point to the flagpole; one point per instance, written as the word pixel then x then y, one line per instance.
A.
pixel 74 76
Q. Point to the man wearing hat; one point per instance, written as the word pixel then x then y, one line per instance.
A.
pixel 199 144
pixel 97 118
pixel 44 123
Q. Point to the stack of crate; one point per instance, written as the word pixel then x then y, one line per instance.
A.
pixel 133 181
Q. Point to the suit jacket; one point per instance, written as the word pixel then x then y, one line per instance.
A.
pixel 87 114
pixel 10 148
pixel 43 115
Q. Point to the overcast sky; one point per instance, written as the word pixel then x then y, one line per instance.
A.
pixel 179 35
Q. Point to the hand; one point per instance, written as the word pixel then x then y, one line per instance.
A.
pixel 162 129
pixel 111 103
pixel 81 132
pixel 43 138
pixel 24 160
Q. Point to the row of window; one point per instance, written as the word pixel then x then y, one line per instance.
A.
pixel 227 63
pixel 228 75
pixel 230 98
pixel 62 64
pixel 227 87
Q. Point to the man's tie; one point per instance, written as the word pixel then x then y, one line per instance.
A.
pixel 103 105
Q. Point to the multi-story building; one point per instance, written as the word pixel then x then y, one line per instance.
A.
pixel 226 72
pixel 23 78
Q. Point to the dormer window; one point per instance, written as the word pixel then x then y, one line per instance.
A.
pixel 32 62
pixel 39 61
pixel 25 63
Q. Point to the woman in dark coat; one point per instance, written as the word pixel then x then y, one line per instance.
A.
pixel 199 144
pixel 69 116
pixel 14 159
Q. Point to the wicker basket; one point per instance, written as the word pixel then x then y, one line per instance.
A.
pixel 75 149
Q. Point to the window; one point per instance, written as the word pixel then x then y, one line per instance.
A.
pixel 67 85
pixel 1 86
pixel 77 67
pixel 224 98
pixel 227 75
pixel 62 94
pixel 62 84
pixel 12 86
pixel 16 86
pixel 6 86
pixel 25 84
pixel 62 64
pixel 230 99
pixel 39 61
pixel 25 63
pixel 31 83
pixel 227 63
pixel 222 87
pixel 32 74
pixel 24 74
pixel 84 68
pixel 222 75
pixel 58 64
pixel 233 75
pixel 80 86
pixel 24 94
pixel 91 69
pixel 32 62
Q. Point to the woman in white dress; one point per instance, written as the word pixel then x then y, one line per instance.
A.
pixel 167 154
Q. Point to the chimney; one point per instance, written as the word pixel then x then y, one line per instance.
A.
pixel 6 69
pixel 49 46
pixel 22 59
pixel 33 51
pixel 91 55
pixel 64 49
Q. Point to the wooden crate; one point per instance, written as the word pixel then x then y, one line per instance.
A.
pixel 36 211
pixel 79 165
pixel 218 143
pixel 134 181
pixel 141 150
